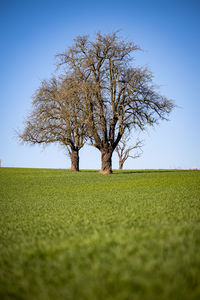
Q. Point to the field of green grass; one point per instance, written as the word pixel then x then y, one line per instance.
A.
pixel 129 235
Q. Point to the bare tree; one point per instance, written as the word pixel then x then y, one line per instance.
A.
pixel 57 117
pixel 124 151
pixel 121 96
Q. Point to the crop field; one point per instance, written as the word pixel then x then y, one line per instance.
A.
pixel 129 235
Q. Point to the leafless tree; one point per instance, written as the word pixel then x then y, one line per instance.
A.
pixel 121 96
pixel 124 151
pixel 57 117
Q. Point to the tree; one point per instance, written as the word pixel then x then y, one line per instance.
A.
pixel 57 117
pixel 124 151
pixel 121 97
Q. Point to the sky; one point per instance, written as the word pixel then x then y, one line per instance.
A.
pixel 168 31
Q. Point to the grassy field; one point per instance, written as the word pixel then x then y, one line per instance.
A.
pixel 130 235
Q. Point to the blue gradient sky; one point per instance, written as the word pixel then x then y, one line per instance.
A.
pixel 168 31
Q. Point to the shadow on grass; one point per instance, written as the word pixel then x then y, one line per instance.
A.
pixel 89 171
pixel 120 172
pixel 124 172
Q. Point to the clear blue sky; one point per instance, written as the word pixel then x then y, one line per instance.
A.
pixel 168 31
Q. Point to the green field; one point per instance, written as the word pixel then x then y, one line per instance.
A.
pixel 129 235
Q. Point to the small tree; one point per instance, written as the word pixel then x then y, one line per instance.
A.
pixel 124 151
pixel 57 117
pixel 122 95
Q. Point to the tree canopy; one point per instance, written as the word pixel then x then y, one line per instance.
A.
pixel 121 96
pixel 57 117
pixel 99 96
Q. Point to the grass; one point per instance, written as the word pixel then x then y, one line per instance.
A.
pixel 130 235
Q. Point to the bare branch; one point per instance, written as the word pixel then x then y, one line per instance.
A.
pixel 124 151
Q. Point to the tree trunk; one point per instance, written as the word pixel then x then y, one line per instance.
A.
pixel 106 162
pixel 121 164
pixel 75 160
